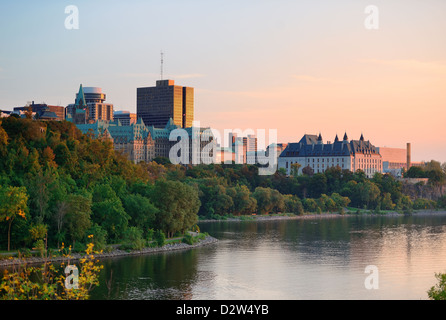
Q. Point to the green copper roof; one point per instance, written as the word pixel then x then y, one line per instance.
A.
pixel 80 99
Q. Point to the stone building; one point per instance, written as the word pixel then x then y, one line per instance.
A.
pixel 135 140
pixel 351 155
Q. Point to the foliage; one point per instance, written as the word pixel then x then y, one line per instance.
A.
pixel 133 238
pixel 438 292
pixel 47 282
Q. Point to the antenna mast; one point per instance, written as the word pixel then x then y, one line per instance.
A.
pixel 162 63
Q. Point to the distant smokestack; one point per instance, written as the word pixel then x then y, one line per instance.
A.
pixel 408 156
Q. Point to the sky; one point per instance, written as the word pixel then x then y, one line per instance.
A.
pixel 295 66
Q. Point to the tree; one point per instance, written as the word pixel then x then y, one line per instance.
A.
pixel 293 204
pixel 438 292
pixel 386 202
pixel 141 211
pixel 178 205
pixel 263 198
pixel 13 204
pixel 415 172
pixel 295 169
pixel 78 217
pixel 60 212
pixel 241 197
pixel 317 185
pixel 308 171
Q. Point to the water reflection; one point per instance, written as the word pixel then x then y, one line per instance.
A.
pixel 293 259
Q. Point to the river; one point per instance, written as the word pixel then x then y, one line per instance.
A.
pixel 291 259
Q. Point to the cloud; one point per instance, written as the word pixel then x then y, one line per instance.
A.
pixel 435 67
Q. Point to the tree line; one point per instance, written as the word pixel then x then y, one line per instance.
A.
pixel 59 186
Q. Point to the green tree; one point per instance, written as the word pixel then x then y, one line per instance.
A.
pixel 178 205
pixel 108 211
pixel 78 220
pixel 141 211
pixel 243 202
pixel 264 200
pixel 293 204
pixel 13 204
pixel 386 202
pixel 438 292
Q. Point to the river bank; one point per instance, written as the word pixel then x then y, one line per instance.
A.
pixel 114 253
pixel 325 216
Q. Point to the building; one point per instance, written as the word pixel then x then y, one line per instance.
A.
pixel 5 113
pixel 197 152
pixel 395 160
pixel 243 147
pixel 156 105
pixel 251 143
pixel 225 155
pixel 89 106
pixel 313 153
pixel 125 117
pixel 42 111
pixel 135 140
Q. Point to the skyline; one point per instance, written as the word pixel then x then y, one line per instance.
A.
pixel 295 66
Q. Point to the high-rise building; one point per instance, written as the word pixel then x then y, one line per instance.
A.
pixel 89 106
pixel 156 105
pixel 125 117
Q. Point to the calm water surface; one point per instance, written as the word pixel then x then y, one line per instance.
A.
pixel 290 259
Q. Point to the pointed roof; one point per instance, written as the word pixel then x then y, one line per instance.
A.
pixel 345 136
pixel 362 137
pixel 80 99
pixel 319 138
pixel 336 138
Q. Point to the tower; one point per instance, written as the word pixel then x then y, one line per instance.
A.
pixel 156 105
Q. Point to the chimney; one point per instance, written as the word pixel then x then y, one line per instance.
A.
pixel 408 156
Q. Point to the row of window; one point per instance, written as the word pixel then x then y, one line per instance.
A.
pixel 323 160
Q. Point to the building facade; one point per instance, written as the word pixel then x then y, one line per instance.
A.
pixel 89 106
pixel 135 140
pixel 352 155
pixel 125 117
pixel 396 160
pixel 43 111
pixel 198 144
pixel 156 105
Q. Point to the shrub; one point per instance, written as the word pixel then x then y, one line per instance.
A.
pixel 189 239
pixel 160 238
pixel 133 238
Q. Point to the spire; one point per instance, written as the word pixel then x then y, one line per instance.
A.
pixel 319 139
pixel 336 138
pixel 362 137
pixel 345 136
pixel 80 99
